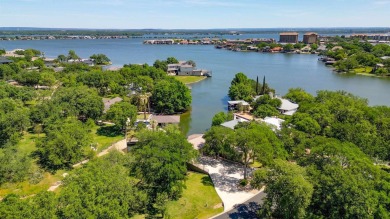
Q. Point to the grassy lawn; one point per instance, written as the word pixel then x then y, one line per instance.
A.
pixel 363 70
pixel 25 188
pixel 256 164
pixel 105 136
pixel 190 79
pixel 199 200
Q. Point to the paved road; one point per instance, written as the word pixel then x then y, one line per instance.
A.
pixel 246 210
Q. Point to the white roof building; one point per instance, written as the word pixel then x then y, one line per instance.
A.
pixel 274 122
pixel 287 107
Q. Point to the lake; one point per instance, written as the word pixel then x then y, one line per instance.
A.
pixel 282 71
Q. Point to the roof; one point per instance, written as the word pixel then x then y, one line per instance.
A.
pixel 274 121
pixel 109 102
pixel 4 60
pixel 230 124
pixel 166 119
pixel 288 33
pixel 287 105
pixel 310 33
pixel 235 102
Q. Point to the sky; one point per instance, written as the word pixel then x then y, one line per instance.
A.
pixel 194 14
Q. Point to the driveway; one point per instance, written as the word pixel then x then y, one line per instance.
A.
pixel 226 176
pixel 246 210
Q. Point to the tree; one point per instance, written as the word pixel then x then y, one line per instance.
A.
pixel 101 189
pixel 122 114
pixel 218 119
pixel 14 165
pixel 241 91
pixel 161 162
pixel 79 101
pixel 288 47
pixel 288 189
pixel 14 119
pixel 298 95
pixel 47 79
pixel 191 62
pixel 100 59
pixel 72 55
pixel 220 143
pixel 258 141
pixel 65 144
pixel 62 58
pixel 6 72
pixel 314 47
pixel 170 96
pixel 172 60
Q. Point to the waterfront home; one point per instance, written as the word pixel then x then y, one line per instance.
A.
pixel 161 41
pixel 163 120
pixel 274 122
pixel 287 107
pixel 184 69
pixel 4 60
pixel 89 62
pixel 234 104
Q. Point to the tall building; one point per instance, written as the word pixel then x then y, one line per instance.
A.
pixel 288 37
pixel 310 38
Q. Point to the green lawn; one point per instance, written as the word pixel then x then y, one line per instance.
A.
pixel 190 79
pixel 105 136
pixel 199 200
pixel 363 70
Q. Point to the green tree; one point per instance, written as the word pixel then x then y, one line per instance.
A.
pixel 288 47
pixel 288 189
pixel 219 118
pixel 47 79
pixel 72 55
pixel 122 114
pixel 79 101
pixel 65 144
pixel 62 58
pixel 100 59
pixel 14 165
pixel 170 96
pixel 14 119
pixel 257 141
pixel 220 143
pixel 101 189
pixel 161 159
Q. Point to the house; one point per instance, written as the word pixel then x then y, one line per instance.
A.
pixel 49 62
pixel 234 104
pixel 184 69
pixel 109 102
pixel 4 60
pixel 230 124
pixel 237 118
pixel 274 122
pixel 310 38
pixel 163 120
pixel 288 37
pixel 287 107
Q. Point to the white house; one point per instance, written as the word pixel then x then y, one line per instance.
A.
pixel 287 107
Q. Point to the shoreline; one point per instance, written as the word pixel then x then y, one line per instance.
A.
pixel 201 79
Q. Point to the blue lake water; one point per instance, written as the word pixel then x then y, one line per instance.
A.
pixel 282 71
